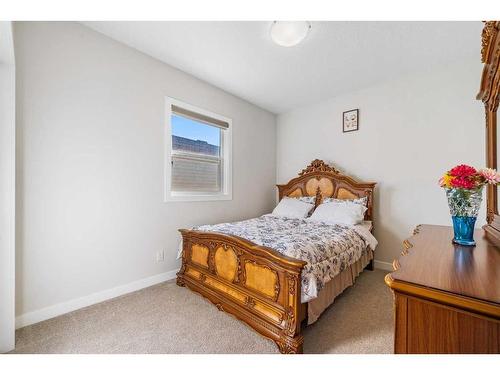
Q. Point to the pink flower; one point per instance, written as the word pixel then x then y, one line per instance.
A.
pixel 490 175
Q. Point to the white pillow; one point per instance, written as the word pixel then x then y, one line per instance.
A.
pixel 290 207
pixel 348 213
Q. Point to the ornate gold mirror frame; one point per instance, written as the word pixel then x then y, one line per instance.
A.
pixel 489 95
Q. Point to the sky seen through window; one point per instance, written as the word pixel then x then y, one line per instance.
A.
pixel 195 130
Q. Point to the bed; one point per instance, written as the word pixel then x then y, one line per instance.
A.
pixel 276 288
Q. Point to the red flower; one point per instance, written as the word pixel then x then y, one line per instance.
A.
pixel 462 171
pixel 462 182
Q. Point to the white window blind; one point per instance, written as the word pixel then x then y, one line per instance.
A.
pixel 199 117
pixel 193 174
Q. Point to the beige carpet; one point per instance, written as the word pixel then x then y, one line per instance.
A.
pixel 166 318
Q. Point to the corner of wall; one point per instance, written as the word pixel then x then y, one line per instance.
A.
pixel 7 188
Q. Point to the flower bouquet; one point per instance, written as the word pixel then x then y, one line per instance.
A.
pixel 464 187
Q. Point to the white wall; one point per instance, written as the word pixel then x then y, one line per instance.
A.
pixel 7 187
pixel 91 119
pixel 412 130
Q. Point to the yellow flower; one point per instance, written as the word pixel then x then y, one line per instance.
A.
pixel 445 181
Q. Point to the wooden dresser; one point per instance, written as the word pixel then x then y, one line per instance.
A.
pixel 446 297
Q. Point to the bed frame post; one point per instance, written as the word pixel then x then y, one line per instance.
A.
pixel 291 342
pixel 371 265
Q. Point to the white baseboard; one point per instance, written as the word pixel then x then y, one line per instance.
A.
pixel 386 266
pixel 78 303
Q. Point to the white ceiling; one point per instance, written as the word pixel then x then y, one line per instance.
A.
pixel 336 57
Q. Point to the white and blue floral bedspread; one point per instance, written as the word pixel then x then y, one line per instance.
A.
pixel 327 248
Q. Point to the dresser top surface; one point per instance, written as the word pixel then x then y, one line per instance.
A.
pixel 432 260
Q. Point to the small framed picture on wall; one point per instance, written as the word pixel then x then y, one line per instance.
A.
pixel 350 120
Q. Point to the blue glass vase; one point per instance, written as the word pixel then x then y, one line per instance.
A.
pixel 464 207
pixel 463 230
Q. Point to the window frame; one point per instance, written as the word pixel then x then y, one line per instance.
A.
pixel 226 157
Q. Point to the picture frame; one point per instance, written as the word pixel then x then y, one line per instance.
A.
pixel 350 121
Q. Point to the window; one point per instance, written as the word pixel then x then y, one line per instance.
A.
pixel 198 154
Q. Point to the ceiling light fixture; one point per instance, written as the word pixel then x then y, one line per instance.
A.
pixel 289 33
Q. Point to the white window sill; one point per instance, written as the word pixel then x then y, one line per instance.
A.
pixel 197 197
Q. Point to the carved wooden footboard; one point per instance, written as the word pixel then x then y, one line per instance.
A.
pixel 254 283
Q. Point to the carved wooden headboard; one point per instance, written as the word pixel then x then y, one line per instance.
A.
pixel 321 180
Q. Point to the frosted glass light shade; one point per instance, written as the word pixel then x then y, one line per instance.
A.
pixel 289 33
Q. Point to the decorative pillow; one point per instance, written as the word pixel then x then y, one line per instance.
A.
pixel 363 201
pixel 344 212
pixel 310 200
pixel 291 207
